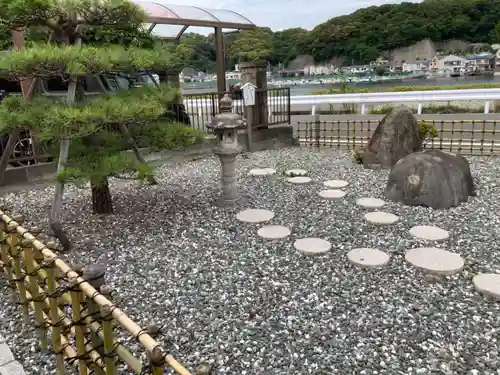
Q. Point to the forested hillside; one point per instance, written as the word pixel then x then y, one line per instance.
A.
pixel 359 37
pixel 365 34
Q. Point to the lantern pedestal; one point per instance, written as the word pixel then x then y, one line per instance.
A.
pixel 225 126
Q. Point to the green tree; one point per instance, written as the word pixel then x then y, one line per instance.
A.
pixel 288 44
pixel 203 52
pixel 359 35
pixel 96 128
pixel 253 45
pixel 495 34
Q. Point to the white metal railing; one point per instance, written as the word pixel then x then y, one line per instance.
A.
pixel 362 99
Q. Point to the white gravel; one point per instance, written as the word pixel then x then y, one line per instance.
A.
pixel 254 306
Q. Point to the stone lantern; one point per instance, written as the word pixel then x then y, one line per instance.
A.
pixel 225 126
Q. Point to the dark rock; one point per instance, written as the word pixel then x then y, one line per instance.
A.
pixel 431 178
pixel 397 135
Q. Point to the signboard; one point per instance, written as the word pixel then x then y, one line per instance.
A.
pixel 248 94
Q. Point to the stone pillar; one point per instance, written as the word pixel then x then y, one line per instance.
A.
pixel 170 77
pixel 256 73
pixel 228 176
pixel 225 126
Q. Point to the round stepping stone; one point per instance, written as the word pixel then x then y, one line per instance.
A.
pixel 296 172
pixel 262 171
pixel 332 194
pixel 336 184
pixel 299 180
pixel 381 218
pixel 370 202
pixel 429 233
pixel 273 232
pixel 312 246
pixel 368 258
pixel 487 284
pixel 434 260
pixel 254 215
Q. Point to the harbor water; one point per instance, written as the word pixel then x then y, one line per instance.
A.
pixel 307 88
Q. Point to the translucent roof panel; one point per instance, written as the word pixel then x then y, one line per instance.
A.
pixel 229 16
pixel 156 9
pixel 160 13
pixel 191 13
pixel 166 31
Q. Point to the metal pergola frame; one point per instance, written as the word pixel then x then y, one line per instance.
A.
pixel 164 14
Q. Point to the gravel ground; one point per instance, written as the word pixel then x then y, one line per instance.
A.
pixel 256 307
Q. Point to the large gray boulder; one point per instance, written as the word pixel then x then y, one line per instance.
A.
pixel 431 178
pixel 397 135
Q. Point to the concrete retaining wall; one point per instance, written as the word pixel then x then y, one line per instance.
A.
pixel 272 138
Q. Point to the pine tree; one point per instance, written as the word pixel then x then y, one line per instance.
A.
pixel 91 133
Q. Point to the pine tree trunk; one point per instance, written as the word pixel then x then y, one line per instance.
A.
pixel 102 203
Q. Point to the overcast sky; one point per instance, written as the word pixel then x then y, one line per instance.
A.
pixel 284 14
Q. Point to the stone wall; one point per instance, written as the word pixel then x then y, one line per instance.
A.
pixel 274 137
pixel 426 49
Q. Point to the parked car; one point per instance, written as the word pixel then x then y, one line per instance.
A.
pixel 24 150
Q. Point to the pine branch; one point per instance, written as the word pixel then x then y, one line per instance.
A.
pixel 72 60
pixel 50 13
pixel 106 157
pixel 51 119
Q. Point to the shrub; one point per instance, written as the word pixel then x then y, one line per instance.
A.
pixel 427 130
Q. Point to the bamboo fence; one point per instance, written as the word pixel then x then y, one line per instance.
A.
pixel 85 337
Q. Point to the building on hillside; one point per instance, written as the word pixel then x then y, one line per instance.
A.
pixel 380 63
pixel 450 64
pixel 396 67
pixel 497 61
pixel 312 70
pixel 291 72
pixel 357 69
pixel 416 66
pixel 481 63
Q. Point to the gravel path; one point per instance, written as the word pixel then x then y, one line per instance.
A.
pixel 260 307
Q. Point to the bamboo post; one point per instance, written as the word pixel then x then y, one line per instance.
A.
pixel 94 275
pixel 29 262
pixel 157 359
pixel 76 298
pixel 4 247
pixel 92 357
pixel 109 342
pixel 121 351
pixel 68 349
pixel 128 324
pixel 37 254
pixel 16 252
pixel 52 273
